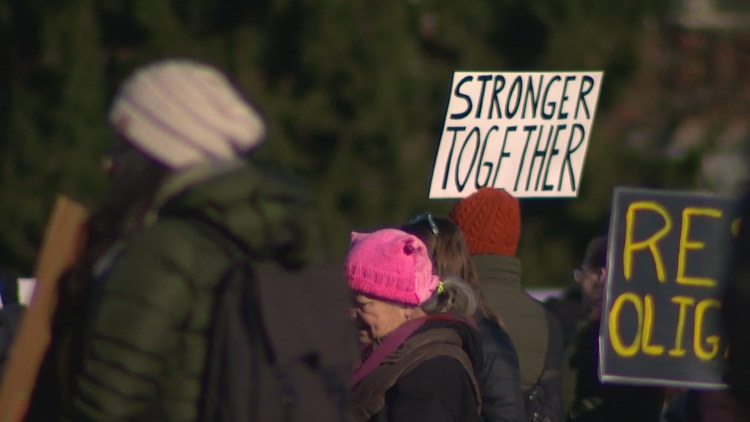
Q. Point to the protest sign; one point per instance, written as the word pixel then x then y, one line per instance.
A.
pixel 525 132
pixel 667 258
pixel 25 291
pixel 26 288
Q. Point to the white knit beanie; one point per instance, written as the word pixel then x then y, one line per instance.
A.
pixel 182 113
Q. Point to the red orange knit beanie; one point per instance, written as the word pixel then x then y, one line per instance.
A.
pixel 490 220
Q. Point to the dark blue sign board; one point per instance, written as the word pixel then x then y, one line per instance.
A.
pixel 667 256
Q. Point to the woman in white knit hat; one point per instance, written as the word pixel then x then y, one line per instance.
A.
pixel 134 347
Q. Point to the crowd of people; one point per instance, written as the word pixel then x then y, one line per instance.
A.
pixel 439 325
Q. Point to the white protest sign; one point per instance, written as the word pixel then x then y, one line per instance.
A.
pixel 525 132
pixel 26 288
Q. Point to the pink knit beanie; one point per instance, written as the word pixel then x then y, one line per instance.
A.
pixel 392 265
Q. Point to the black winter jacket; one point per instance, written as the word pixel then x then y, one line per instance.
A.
pixel 736 309
pixel 535 332
pixel 595 401
pixel 499 378
pixel 435 389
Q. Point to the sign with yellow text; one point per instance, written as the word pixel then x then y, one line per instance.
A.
pixel 524 132
pixel 667 255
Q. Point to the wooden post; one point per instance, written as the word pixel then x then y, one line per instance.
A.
pixel 63 241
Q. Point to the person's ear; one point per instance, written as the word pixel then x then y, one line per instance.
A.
pixel 577 275
pixel 407 312
pixel 602 275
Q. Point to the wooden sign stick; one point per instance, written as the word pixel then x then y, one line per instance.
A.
pixel 63 241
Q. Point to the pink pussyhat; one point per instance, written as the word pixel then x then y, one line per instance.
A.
pixel 392 265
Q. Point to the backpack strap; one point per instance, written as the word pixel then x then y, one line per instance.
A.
pixel 549 371
pixel 229 336
pixel 370 392
pixel 392 342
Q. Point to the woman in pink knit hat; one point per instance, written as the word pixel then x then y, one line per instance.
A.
pixel 422 351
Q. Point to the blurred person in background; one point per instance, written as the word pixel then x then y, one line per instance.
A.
pixel 589 278
pixel 736 310
pixel 490 220
pixel 582 301
pixel 499 378
pixel 732 404
pixel 592 400
pixel 568 308
pixel 130 330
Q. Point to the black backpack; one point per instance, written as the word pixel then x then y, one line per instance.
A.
pixel 281 345
pixel 544 401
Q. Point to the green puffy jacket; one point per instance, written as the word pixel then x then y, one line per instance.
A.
pixel 143 349
pixel 534 331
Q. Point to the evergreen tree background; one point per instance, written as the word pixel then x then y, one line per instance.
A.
pixel 354 93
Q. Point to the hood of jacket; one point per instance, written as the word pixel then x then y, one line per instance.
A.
pixel 498 269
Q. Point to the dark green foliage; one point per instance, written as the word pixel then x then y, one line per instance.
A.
pixel 354 92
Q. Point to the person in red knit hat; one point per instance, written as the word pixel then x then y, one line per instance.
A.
pixel 490 220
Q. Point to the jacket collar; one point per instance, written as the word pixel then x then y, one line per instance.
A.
pixel 267 211
pixel 179 181
pixel 498 269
